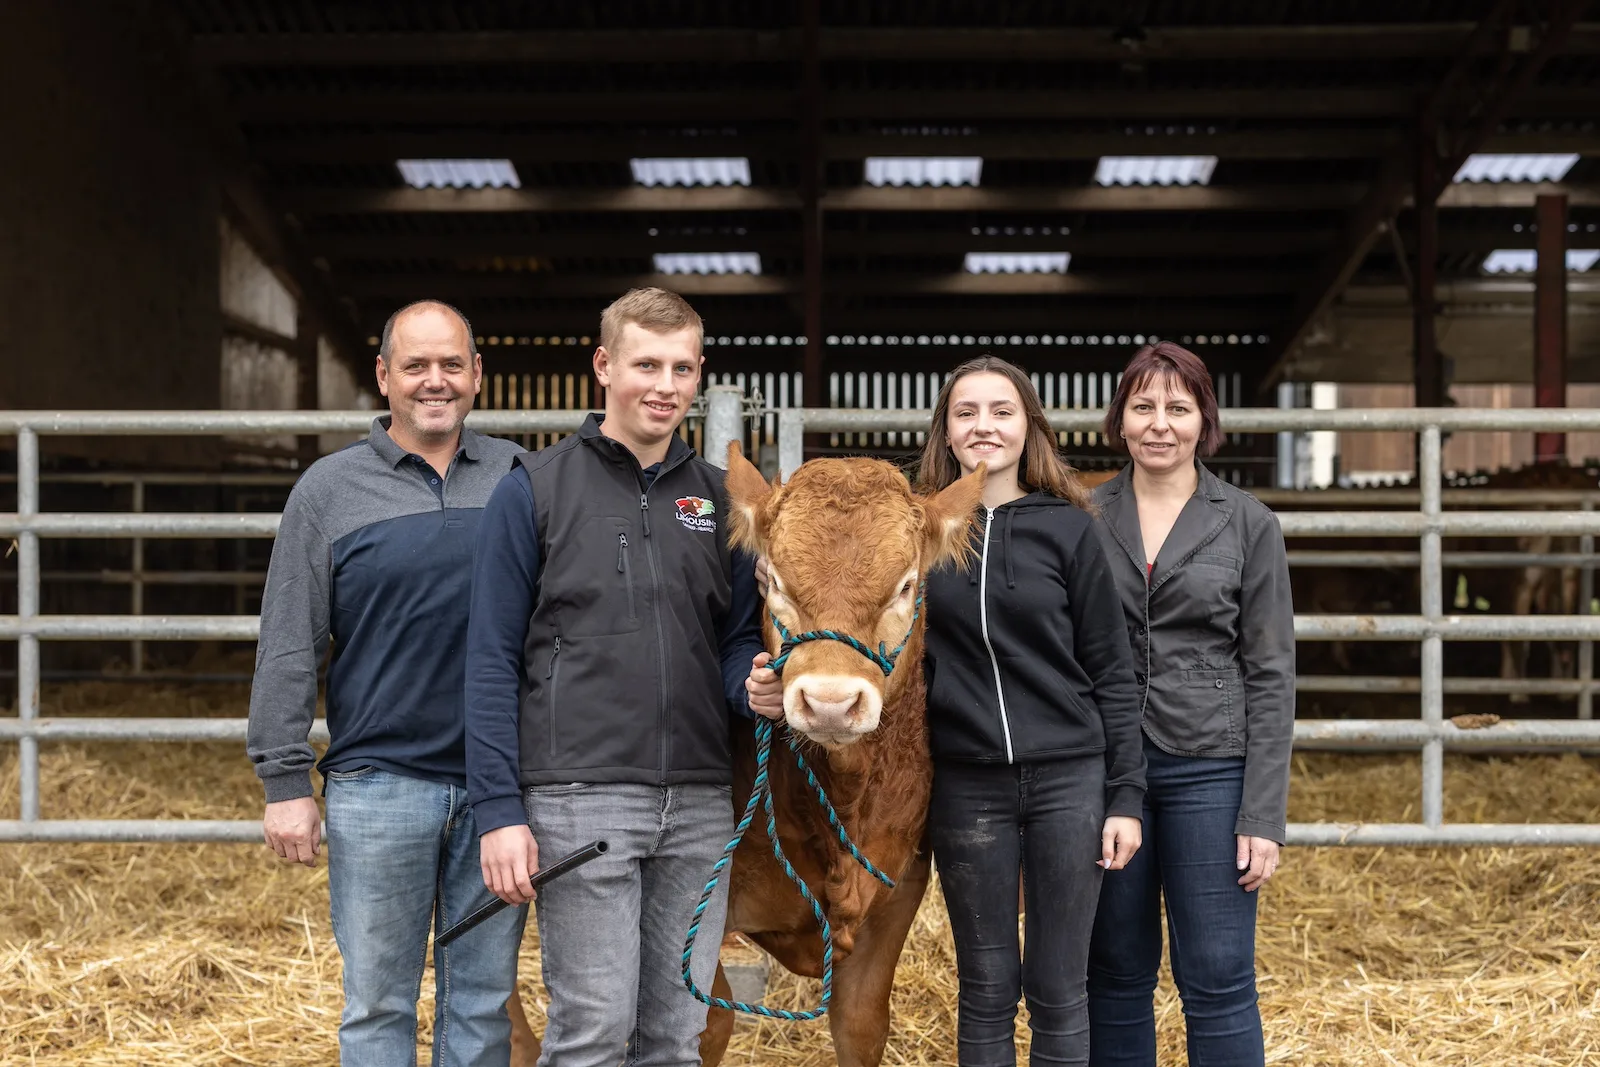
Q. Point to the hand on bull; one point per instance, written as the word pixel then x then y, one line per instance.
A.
pixel 1119 840
pixel 294 829
pixel 761 575
pixel 1258 859
pixel 764 688
pixel 509 857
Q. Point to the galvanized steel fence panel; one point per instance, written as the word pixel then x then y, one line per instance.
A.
pixel 724 421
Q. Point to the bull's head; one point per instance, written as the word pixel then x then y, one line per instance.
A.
pixel 847 545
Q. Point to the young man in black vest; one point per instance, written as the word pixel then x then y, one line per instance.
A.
pixel 612 632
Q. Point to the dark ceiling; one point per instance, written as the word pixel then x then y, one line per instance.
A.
pixel 1310 108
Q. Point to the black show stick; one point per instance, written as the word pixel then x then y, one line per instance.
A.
pixel 593 850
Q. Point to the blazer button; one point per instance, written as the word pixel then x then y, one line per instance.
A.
pixel 1219 683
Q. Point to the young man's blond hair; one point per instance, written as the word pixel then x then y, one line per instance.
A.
pixel 656 310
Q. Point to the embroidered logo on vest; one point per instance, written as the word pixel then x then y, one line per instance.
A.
pixel 697 513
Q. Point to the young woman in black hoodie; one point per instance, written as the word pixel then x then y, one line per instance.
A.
pixel 1033 716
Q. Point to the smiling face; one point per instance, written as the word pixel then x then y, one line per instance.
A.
pixel 649 379
pixel 430 377
pixel 1161 424
pixel 986 424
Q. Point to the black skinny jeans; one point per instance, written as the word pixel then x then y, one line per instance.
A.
pixel 988 822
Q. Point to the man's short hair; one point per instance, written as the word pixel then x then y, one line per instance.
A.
pixel 386 342
pixel 656 310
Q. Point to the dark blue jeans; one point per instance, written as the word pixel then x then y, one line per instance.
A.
pixel 988 822
pixel 1188 854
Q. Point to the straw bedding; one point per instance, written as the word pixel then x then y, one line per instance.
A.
pixel 219 954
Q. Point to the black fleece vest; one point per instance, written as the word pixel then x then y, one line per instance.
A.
pixel 623 680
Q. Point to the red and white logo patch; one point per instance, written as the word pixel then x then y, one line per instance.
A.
pixel 697 513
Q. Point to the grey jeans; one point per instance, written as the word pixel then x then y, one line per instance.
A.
pixel 611 932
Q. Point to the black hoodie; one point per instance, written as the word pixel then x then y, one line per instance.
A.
pixel 1027 652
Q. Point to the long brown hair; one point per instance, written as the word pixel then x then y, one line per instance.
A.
pixel 1041 468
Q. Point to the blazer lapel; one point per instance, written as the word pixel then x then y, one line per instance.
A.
pixel 1121 513
pixel 1202 518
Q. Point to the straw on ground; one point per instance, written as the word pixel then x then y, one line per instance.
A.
pixel 219 954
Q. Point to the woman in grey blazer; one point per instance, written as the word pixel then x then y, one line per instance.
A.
pixel 1204 583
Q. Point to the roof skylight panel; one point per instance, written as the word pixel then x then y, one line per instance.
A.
pixel 1154 170
pixel 1525 260
pixel 1516 167
pixel 924 170
pixel 691 170
pixel 459 173
pixel 1017 262
pixel 708 262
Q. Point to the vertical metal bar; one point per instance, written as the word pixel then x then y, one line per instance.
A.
pixel 724 421
pixel 1433 644
pixel 136 587
pixel 1550 321
pixel 27 608
pixel 791 440
pixel 1585 602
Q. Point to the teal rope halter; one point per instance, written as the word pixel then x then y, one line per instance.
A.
pixel 761 795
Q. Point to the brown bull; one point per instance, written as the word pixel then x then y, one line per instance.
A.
pixel 848 544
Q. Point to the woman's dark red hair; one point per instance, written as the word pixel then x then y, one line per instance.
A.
pixel 1179 366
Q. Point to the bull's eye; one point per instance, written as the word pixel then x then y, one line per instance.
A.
pixel 905 590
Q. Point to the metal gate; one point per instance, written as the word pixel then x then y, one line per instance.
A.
pixel 725 420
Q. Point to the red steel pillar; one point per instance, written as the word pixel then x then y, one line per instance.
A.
pixel 1550 321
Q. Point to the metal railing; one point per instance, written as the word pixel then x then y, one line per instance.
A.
pixel 1431 733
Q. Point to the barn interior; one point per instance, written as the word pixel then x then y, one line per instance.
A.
pixel 216 204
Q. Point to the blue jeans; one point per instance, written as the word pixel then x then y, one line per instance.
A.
pixel 611 932
pixel 1188 854
pixel 987 821
pixel 403 856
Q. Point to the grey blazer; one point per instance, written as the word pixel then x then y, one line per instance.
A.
pixel 1213 635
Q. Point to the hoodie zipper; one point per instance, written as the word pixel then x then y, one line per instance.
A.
pixel 661 637
pixel 983 620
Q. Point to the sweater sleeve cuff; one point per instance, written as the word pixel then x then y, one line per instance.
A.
pixel 1248 827
pixel 496 813
pixel 1127 801
pixel 291 786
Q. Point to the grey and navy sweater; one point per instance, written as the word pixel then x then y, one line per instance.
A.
pixel 374 555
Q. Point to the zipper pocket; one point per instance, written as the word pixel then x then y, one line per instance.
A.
pixel 552 676
pixel 625 568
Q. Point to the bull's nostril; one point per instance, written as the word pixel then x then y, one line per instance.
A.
pixel 832 709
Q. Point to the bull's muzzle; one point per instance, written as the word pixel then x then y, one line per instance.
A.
pixel 832 709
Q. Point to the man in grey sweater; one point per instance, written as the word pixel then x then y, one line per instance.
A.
pixel 374 556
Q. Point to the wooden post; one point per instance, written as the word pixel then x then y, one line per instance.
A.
pixel 1550 321
pixel 811 180
pixel 1427 367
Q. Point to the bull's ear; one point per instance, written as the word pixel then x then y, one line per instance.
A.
pixel 748 496
pixel 949 521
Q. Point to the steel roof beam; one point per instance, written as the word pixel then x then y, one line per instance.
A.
pixel 563 147
pixel 1021 44
pixel 864 198
pixel 1041 199
pixel 921 105
pixel 1220 244
pixel 484 285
